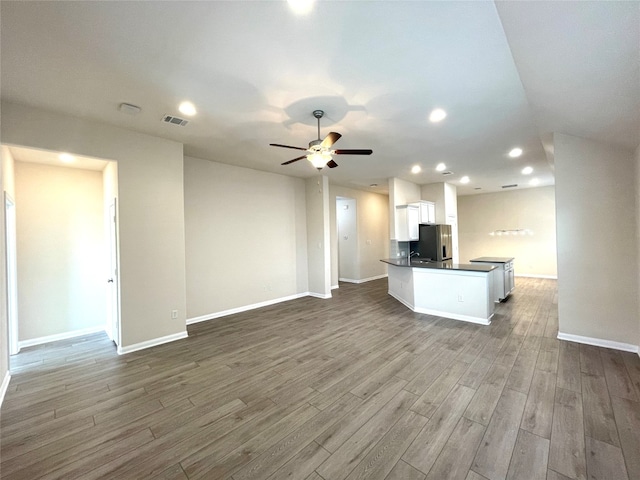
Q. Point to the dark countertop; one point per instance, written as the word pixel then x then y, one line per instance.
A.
pixel 446 265
pixel 492 259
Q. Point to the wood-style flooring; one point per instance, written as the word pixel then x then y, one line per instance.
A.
pixel 353 387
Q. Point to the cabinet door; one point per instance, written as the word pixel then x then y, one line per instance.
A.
pixel 427 212
pixel 407 223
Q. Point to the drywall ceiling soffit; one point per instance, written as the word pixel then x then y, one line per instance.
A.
pixel 377 69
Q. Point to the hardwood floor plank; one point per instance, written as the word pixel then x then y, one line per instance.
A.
pixel 590 360
pixel 424 451
pixel 474 376
pixel 303 464
pixel 336 435
pixel 433 396
pixel 351 452
pixel 632 362
pixel 599 421
pixel 272 459
pixel 486 398
pixel 383 457
pixel 617 376
pixel 569 367
pixel 538 414
pixel 494 454
pixel 604 461
pixel 567 448
pixel 455 459
pixel 627 415
pixel 522 371
pixel 530 457
pixel 404 471
pixel 548 355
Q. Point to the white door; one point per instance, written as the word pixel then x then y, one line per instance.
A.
pixel 113 303
pixel 12 275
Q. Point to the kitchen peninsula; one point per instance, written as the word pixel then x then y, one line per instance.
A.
pixel 444 289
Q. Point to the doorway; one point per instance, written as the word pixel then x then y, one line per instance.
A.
pixel 347 230
pixel 12 276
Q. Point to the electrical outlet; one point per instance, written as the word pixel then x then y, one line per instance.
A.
pixel 460 297
pixel 174 314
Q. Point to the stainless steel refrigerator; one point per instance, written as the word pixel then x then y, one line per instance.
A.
pixel 435 242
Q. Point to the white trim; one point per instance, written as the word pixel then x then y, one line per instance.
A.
pixel 535 275
pixel 437 313
pixel 244 308
pixel 4 386
pixel 323 296
pixel 152 343
pixel 333 287
pixel 60 336
pixel 599 342
pixel 363 280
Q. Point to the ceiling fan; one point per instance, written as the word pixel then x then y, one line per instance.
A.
pixel 319 152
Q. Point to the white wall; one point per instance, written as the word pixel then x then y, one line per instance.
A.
pixel 7 184
pixel 372 213
pixel 246 236
pixel 109 194
pixel 348 258
pixel 150 185
pixel 530 208
pixel 61 250
pixel 596 236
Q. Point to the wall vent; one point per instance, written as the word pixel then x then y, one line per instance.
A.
pixel 513 185
pixel 181 122
pixel 447 173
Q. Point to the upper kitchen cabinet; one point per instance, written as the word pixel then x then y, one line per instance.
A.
pixel 407 222
pixel 427 211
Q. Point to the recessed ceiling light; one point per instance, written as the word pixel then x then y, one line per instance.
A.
pixel 187 108
pixel 437 115
pixel 534 182
pixel 66 158
pixel 527 170
pixel 301 7
pixel 515 152
pixel 416 169
pixel 441 167
pixel 464 179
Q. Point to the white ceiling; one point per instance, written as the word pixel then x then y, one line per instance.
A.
pixel 508 74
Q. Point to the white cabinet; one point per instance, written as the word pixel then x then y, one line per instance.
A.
pixel 503 275
pixel 407 222
pixel 427 211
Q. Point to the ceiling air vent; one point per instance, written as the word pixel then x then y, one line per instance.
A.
pixel 447 173
pixel 513 185
pixel 181 122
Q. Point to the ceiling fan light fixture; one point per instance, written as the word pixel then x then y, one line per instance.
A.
pixel 319 159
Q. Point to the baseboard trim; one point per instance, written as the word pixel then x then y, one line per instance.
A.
pixel 323 296
pixel 244 308
pixel 333 287
pixel 599 342
pixel 59 336
pixel 4 386
pixel 363 280
pixel 535 275
pixel 436 313
pixel 152 343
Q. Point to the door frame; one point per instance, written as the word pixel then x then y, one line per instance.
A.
pixel 11 273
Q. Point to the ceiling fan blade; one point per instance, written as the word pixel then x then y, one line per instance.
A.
pixel 286 146
pixel 330 139
pixel 331 164
pixel 353 152
pixel 294 160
